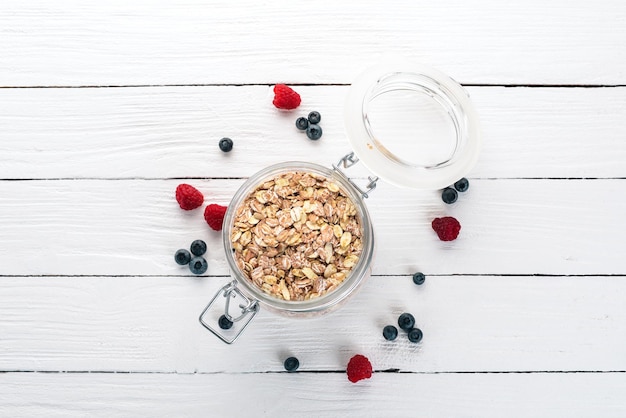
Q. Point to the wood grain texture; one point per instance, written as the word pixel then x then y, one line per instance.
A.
pixel 105 106
pixel 133 227
pixel 470 324
pixel 303 395
pixel 120 43
pixel 173 132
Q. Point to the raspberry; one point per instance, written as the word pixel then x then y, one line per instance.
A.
pixel 188 197
pixel 214 216
pixel 359 368
pixel 447 228
pixel 285 97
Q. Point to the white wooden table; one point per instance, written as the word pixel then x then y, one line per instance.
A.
pixel 106 106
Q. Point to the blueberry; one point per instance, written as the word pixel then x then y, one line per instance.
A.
pixel 419 278
pixel 315 117
pixel 224 322
pixel 302 123
pixel 291 364
pixel 198 247
pixel 415 335
pixel 449 195
pixel 226 144
pixel 198 265
pixel 314 132
pixel 406 321
pixel 390 332
pixel 182 257
pixel 462 185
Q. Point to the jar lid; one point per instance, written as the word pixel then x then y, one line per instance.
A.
pixel 412 125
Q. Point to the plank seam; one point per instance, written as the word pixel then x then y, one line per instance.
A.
pixel 392 371
pixel 108 86
pixel 16 179
pixel 218 276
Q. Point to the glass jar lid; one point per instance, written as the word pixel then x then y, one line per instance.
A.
pixel 412 125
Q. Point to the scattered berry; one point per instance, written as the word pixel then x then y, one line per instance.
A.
pixel 419 278
pixel 182 257
pixel 198 247
pixel 406 321
pixel 449 195
pixel 198 265
pixel 447 228
pixel 302 124
pixel 224 322
pixel 291 364
pixel 315 117
pixel 188 197
pixel 285 97
pixel 359 368
pixel 314 132
pixel 462 185
pixel 214 216
pixel 226 144
pixel 390 332
pixel 415 335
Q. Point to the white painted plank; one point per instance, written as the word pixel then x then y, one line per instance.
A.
pixel 483 41
pixel 149 324
pixel 173 132
pixel 470 323
pixel 305 395
pixel 104 227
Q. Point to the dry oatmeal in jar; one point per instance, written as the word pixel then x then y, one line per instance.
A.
pixel 297 236
pixel 299 242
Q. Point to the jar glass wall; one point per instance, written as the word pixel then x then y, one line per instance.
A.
pixel 327 301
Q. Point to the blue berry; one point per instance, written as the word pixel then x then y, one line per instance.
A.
pixel 314 132
pixel 315 117
pixel 302 123
pixel 419 278
pixel 198 247
pixel 291 364
pixel 415 335
pixel 226 144
pixel 224 322
pixel 198 265
pixel 462 185
pixel 182 257
pixel 390 332
pixel 449 195
pixel 406 321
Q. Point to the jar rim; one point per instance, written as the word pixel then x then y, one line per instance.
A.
pixel 426 82
pixel 326 301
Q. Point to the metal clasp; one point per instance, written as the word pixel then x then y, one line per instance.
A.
pixel 249 308
pixel 348 161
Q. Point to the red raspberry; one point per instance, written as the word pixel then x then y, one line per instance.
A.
pixel 285 97
pixel 214 216
pixel 447 228
pixel 188 197
pixel 359 368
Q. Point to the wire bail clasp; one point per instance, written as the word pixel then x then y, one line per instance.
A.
pixel 249 308
pixel 348 161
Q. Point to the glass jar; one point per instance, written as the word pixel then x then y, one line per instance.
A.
pixel 409 124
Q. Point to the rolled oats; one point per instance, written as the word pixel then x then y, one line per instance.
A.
pixel 297 236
